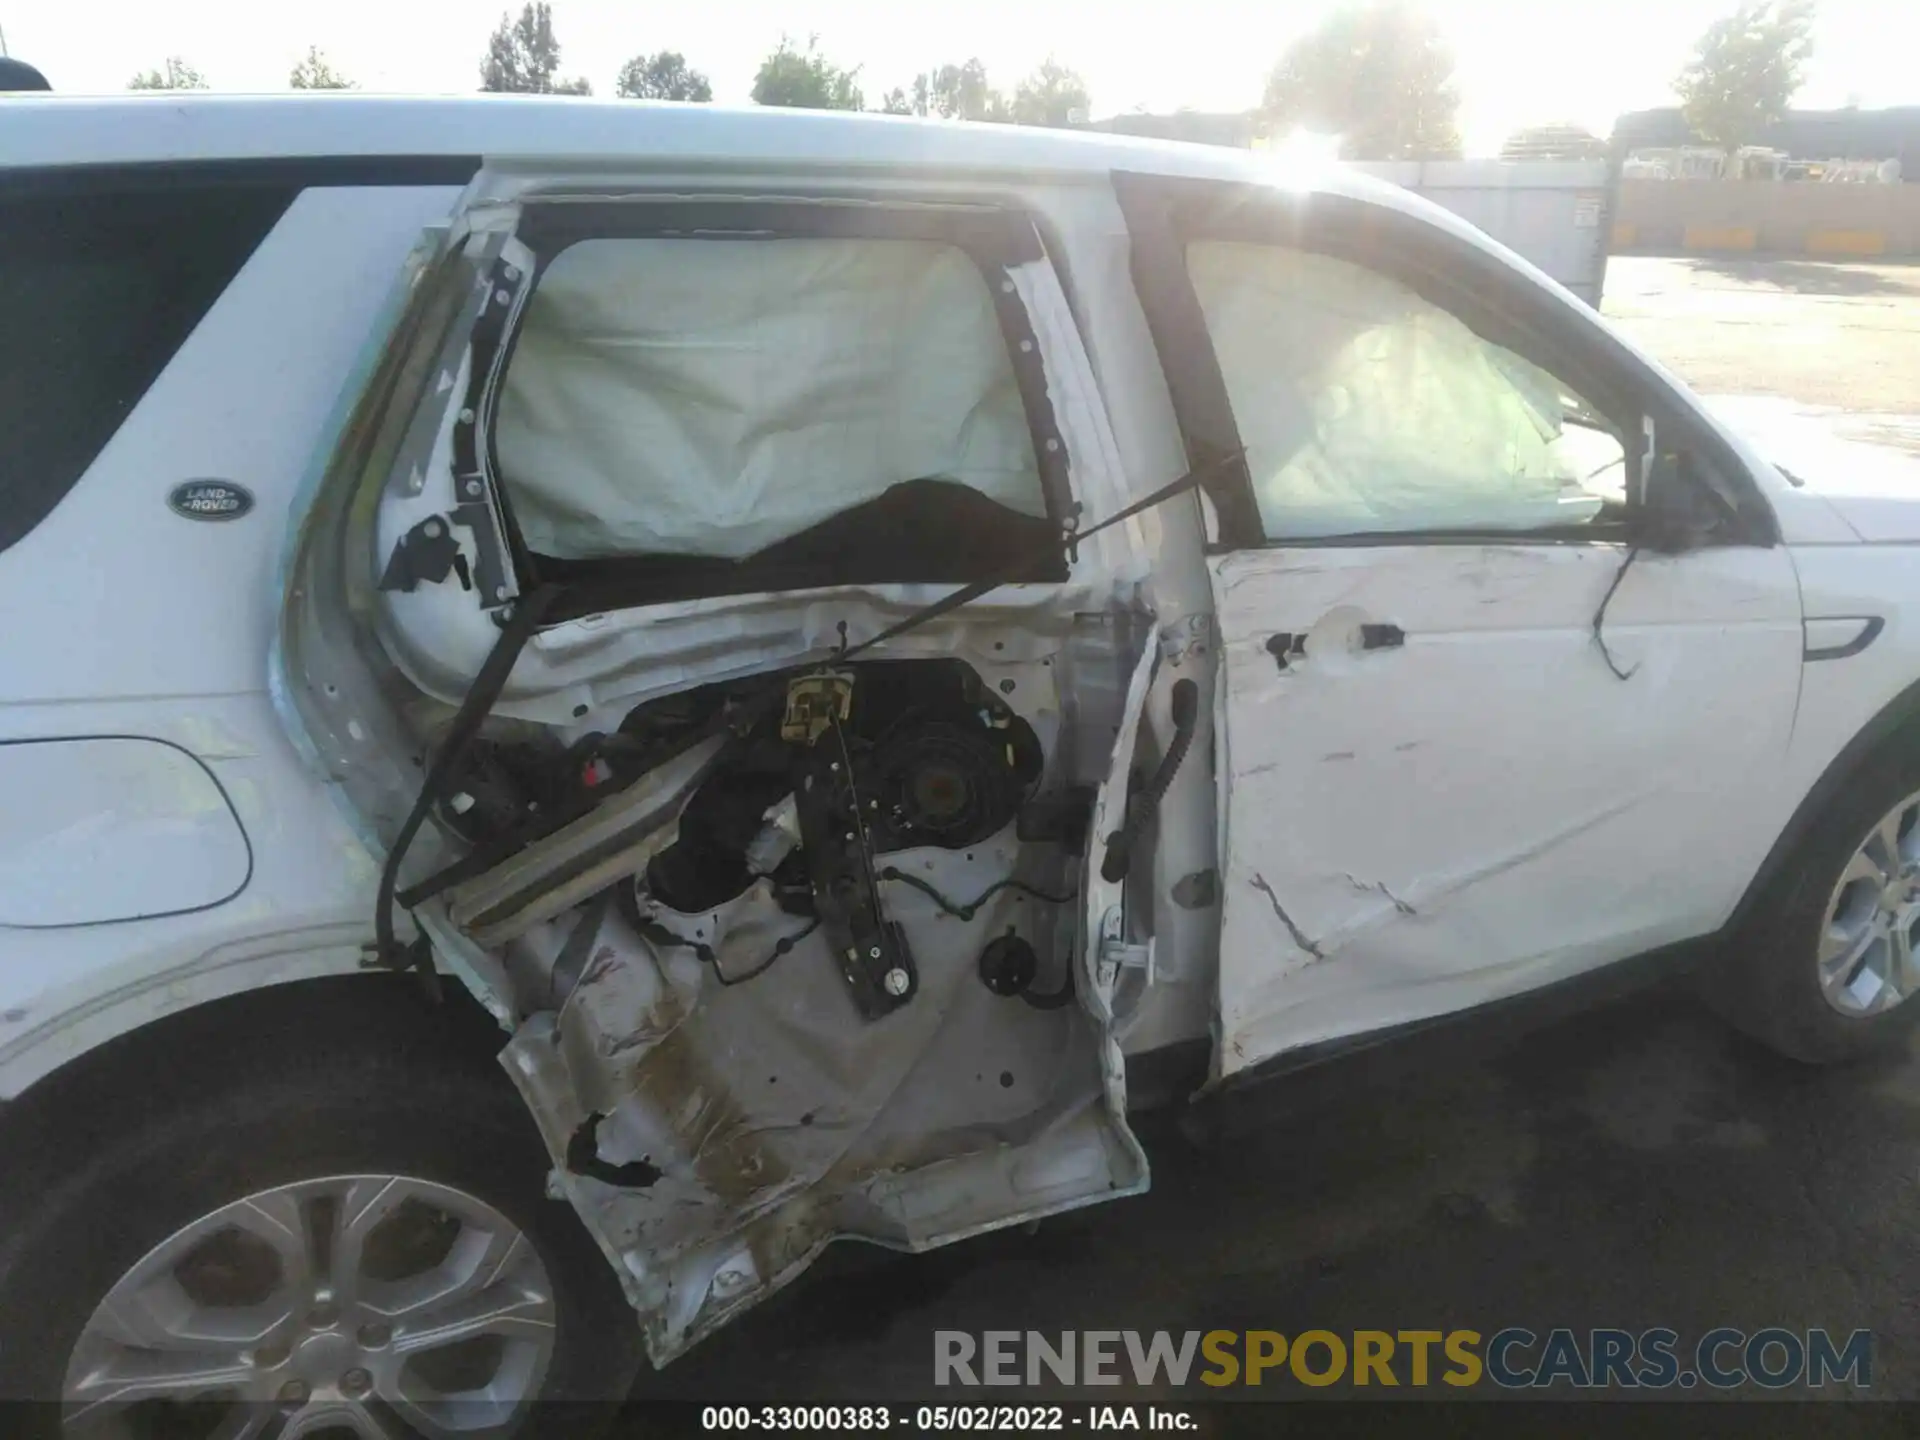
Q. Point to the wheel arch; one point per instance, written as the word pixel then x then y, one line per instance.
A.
pixel 1882 731
pixel 142 1073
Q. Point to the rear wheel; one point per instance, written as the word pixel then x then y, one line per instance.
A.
pixel 1829 966
pixel 359 1245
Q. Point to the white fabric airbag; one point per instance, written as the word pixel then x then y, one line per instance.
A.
pixel 1365 408
pixel 712 397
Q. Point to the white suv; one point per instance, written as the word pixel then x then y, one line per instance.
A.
pixel 476 578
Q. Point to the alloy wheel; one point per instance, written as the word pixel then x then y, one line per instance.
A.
pixel 372 1306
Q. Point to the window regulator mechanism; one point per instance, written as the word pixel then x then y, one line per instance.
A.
pixel 870 950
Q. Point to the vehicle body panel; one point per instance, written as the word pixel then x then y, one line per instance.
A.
pixel 1572 752
pixel 127 619
pixel 1873 489
pixel 103 829
pixel 1486 807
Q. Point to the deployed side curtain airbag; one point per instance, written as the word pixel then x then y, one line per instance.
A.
pixel 1364 407
pixel 711 397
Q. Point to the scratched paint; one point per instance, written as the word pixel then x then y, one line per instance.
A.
pixel 1485 806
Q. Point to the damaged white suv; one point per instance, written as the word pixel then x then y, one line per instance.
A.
pixel 597 696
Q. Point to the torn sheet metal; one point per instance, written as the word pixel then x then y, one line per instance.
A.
pixel 718 1108
pixel 581 860
pixel 759 1121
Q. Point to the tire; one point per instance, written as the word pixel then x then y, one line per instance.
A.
pixel 317 1105
pixel 1766 982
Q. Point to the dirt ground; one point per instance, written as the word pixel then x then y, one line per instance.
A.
pixel 1840 335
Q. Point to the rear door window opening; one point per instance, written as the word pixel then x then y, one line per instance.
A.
pixel 673 398
pixel 704 398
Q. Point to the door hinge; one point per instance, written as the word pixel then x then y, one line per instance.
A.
pixel 1117 953
pixel 1190 635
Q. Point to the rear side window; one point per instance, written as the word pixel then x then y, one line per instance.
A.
pixel 99 287
pixel 746 412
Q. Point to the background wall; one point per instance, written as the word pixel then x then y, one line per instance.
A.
pixel 1764 215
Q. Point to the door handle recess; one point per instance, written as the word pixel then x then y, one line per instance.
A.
pixel 1286 647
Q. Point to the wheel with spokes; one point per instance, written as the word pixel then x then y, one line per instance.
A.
pixel 1866 952
pixel 1828 967
pixel 361 1247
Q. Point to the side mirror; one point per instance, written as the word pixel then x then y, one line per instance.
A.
pixel 1677 511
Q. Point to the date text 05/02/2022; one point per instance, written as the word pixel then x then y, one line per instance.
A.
pixel 931 1419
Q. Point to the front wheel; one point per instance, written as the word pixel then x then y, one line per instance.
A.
pixel 1828 967
pixel 360 1245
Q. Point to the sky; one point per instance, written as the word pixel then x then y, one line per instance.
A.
pixel 1520 62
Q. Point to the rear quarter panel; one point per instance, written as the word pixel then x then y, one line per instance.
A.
pixel 125 619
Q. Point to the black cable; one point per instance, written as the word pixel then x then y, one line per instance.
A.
pixel 1600 616
pixel 659 934
pixel 780 947
pixel 1053 999
pixel 1065 543
pixel 967 912
pixel 474 709
pixel 654 931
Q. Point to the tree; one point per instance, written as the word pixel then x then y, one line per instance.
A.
pixel 1379 75
pixel 177 75
pixel 953 92
pixel 1554 142
pixel 1052 95
pixel 522 56
pixel 665 76
pixel 806 80
pixel 316 72
pixel 961 92
pixel 1745 70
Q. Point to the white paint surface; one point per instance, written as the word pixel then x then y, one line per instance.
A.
pixel 1486 808
pixel 112 829
pixel 125 619
pixel 1873 489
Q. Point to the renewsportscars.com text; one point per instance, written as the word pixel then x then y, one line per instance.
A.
pixel 1513 1358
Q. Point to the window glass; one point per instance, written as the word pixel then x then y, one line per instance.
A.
pixel 721 397
pixel 1365 408
pixel 98 290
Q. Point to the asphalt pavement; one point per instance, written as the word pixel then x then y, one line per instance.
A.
pixel 1835 337
pixel 1639 1166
